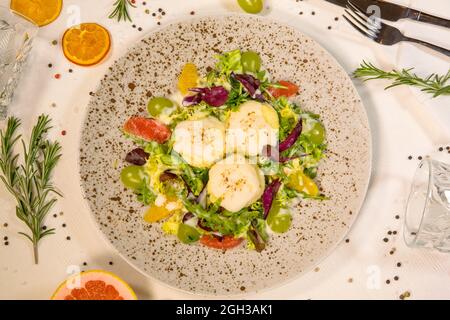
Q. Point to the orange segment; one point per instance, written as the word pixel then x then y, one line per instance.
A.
pixel 155 213
pixel 160 211
pixel 41 12
pixel 86 44
pixel 188 78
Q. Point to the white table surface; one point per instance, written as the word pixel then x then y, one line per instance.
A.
pixel 404 122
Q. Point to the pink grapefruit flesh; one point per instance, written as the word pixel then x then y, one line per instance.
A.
pixel 94 285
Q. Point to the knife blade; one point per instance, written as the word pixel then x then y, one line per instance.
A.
pixel 394 12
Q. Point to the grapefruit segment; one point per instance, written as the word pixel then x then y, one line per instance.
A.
pixel 147 129
pixel 94 285
pixel 290 89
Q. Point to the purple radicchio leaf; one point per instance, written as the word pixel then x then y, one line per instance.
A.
pixel 274 154
pixel 269 195
pixel 201 225
pixel 214 96
pixel 188 216
pixel 256 237
pixel 251 85
pixel 137 157
pixel 287 159
pixel 292 137
pixel 165 176
pixel 192 100
pixel 201 199
pixel 257 240
pixel 271 152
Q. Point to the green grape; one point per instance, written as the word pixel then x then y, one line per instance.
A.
pixel 251 62
pixel 156 105
pixel 132 177
pixel 317 133
pixel 187 234
pixel 251 6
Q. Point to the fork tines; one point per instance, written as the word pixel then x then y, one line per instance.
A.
pixel 361 21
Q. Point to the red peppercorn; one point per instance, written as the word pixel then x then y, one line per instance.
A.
pixel 63 132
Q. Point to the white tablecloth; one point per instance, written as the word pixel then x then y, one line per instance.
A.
pixel 404 122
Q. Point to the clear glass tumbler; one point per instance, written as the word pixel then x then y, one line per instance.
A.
pixel 16 37
pixel 427 220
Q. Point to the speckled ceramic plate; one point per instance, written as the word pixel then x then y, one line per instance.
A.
pixel 150 69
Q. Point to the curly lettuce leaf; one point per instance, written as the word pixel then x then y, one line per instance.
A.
pixel 224 222
pixel 229 62
pixel 170 226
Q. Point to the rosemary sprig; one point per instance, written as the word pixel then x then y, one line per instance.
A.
pixel 433 84
pixel 121 10
pixel 30 182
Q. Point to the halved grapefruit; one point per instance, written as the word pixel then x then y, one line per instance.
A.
pixel 94 285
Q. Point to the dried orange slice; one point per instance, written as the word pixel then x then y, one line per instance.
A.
pixel 86 44
pixel 41 12
pixel 188 78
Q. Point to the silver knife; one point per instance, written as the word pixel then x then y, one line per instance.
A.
pixel 393 12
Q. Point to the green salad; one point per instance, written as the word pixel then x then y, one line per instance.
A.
pixel 220 161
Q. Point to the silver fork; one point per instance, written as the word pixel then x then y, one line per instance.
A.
pixel 373 28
